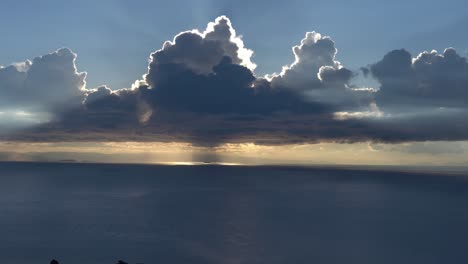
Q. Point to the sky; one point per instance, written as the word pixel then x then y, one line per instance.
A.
pixel 114 38
pixel 362 85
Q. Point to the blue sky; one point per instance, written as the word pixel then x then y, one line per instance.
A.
pixel 113 39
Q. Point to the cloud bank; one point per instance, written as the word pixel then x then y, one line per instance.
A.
pixel 201 88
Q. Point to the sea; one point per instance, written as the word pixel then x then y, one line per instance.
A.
pixel 206 214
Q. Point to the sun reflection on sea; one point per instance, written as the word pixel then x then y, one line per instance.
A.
pixel 197 163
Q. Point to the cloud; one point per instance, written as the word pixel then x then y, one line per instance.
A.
pixel 201 51
pixel 201 88
pixel 44 83
pixel 318 76
pixel 314 52
pixel 431 80
pixel 432 148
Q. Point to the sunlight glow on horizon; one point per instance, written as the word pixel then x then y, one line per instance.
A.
pixel 415 153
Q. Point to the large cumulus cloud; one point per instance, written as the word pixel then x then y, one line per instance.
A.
pixel 201 88
pixel 315 53
pixel 212 72
pixel 431 80
pixel 201 51
pixel 44 83
pixel 318 76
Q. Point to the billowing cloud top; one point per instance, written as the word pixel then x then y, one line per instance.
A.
pixel 46 82
pixel 201 88
pixel 200 52
pixel 429 80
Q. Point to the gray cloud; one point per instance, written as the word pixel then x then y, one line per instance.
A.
pixel 201 88
pixel 319 77
pixel 433 148
pixel 201 51
pixel 44 83
pixel 431 80
pixel 311 55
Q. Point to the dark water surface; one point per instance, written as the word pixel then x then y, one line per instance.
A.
pixel 81 213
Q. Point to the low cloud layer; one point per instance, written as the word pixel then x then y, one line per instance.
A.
pixel 201 88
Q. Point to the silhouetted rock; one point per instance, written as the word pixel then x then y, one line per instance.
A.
pixel 54 261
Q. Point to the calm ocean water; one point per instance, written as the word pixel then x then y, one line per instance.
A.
pixel 85 213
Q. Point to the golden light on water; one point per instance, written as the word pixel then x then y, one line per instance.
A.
pixel 183 163
pixel 194 163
